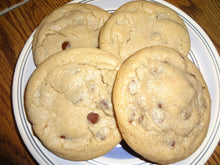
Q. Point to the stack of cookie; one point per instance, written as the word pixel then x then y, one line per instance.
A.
pixel 139 86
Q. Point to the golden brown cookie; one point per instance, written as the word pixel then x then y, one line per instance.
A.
pixel 68 102
pixel 162 104
pixel 72 25
pixel 139 24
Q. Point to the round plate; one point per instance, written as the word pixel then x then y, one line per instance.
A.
pixel 202 53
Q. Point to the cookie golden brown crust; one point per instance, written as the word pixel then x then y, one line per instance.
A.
pixel 68 102
pixel 72 25
pixel 140 24
pixel 162 104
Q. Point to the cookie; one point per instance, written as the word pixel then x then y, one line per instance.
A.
pixel 68 102
pixel 162 104
pixel 72 25
pixel 139 24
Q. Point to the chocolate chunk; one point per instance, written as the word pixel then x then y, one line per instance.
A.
pixel 186 116
pixel 131 119
pixel 171 144
pixel 193 75
pixel 103 138
pixel 93 117
pixel 104 104
pixel 159 105
pixel 154 71
pixel 140 120
pixel 62 136
pixel 205 105
pixel 65 45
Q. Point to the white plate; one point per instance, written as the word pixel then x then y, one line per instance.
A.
pixel 202 53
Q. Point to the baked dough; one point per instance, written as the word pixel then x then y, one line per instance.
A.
pixel 68 102
pixel 72 25
pixel 139 24
pixel 162 104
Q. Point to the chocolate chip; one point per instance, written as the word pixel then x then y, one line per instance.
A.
pixel 140 120
pixel 93 117
pixel 159 105
pixel 205 105
pixel 102 133
pixel 186 115
pixel 65 45
pixel 131 119
pixel 160 16
pixel 62 136
pixel 103 138
pixel 154 71
pixel 171 144
pixel 193 75
pixel 160 121
pixel 104 104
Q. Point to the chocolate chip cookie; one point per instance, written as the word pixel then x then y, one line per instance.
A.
pixel 139 24
pixel 72 25
pixel 162 104
pixel 68 101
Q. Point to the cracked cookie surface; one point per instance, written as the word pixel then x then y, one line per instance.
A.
pixel 162 104
pixel 140 24
pixel 70 26
pixel 68 102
